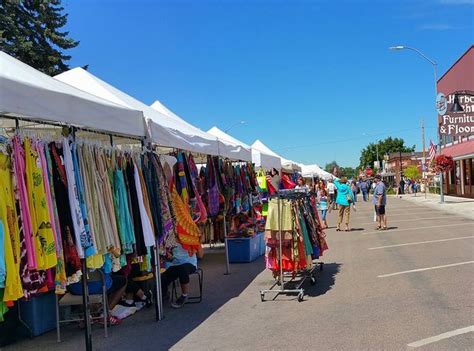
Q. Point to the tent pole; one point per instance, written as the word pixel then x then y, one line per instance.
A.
pixel 158 294
pixel 156 256
pixel 85 288
pixel 227 266
pixel 85 303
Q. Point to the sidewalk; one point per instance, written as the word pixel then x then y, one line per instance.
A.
pixel 456 205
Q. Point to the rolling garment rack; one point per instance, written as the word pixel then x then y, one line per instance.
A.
pixel 286 287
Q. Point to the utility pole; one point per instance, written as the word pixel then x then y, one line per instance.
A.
pixel 423 160
pixel 377 151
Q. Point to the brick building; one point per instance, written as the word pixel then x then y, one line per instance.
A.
pixel 457 139
pixel 395 162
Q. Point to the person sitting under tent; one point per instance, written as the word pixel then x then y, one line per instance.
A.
pixel 179 265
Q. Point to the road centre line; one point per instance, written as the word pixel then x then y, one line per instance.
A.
pixel 416 228
pixel 389 212
pixel 420 242
pixel 412 219
pixel 424 269
pixel 443 336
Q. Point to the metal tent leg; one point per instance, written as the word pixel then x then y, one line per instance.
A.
pixel 158 294
pixel 227 266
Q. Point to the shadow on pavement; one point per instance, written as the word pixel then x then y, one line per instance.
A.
pixel 134 333
pixel 325 280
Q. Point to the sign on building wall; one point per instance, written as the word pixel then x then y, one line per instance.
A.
pixel 456 123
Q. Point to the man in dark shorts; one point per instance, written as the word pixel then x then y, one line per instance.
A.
pixel 379 199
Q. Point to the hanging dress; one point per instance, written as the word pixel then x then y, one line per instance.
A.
pixel 19 172
pixel 122 211
pixel 60 272
pixel 11 240
pixel 148 236
pixel 60 185
pixel 135 208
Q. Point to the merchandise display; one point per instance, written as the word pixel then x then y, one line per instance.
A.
pixel 294 238
pixel 71 202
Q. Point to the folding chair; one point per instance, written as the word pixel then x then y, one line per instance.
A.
pixel 191 299
pixel 69 300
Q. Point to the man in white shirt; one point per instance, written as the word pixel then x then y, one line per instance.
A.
pixel 332 194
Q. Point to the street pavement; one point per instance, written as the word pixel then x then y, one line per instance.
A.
pixel 411 287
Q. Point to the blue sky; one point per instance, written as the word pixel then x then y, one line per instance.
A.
pixel 314 80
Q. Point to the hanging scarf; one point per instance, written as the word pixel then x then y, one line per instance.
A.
pixel 167 215
pixel 213 192
pixel 199 211
pixel 181 178
pixel 188 232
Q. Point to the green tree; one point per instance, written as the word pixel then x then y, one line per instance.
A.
pixel 30 30
pixel 369 153
pixel 348 172
pixel 412 172
pixel 330 166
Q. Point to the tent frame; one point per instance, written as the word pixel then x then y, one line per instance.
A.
pixel 71 130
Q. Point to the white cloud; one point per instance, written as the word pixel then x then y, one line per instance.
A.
pixel 438 27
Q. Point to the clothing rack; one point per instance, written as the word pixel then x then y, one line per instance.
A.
pixel 70 131
pixel 281 286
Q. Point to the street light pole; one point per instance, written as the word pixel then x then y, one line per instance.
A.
pixel 435 68
pixel 233 125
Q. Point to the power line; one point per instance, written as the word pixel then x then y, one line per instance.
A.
pixel 366 136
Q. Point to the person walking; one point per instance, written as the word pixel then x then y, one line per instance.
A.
pixel 364 188
pixel 344 199
pixel 402 186
pixel 379 199
pixel 323 206
pixel 354 189
pixel 332 194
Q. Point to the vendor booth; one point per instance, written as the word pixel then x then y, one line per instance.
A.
pixel 51 143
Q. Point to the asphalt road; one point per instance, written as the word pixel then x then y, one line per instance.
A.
pixel 368 296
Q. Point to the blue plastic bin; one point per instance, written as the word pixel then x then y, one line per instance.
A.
pixel 243 250
pixel 39 314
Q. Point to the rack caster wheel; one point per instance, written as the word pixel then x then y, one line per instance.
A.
pixel 300 297
pixel 262 297
pixel 321 266
pixel 313 281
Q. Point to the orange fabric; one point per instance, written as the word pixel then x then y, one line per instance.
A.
pixel 189 234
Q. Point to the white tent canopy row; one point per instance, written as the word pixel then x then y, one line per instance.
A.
pixel 242 151
pixel 27 93
pixel 78 98
pixel 165 128
pixel 310 171
pixel 277 162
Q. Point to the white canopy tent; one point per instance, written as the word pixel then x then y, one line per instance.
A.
pixel 285 164
pixel 290 165
pixel 241 151
pixel 263 157
pixel 310 171
pixel 164 129
pixel 27 93
pixel 225 148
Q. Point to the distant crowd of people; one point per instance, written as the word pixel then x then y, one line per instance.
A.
pixel 341 195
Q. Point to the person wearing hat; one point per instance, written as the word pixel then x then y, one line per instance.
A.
pixel 345 197
pixel 379 199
